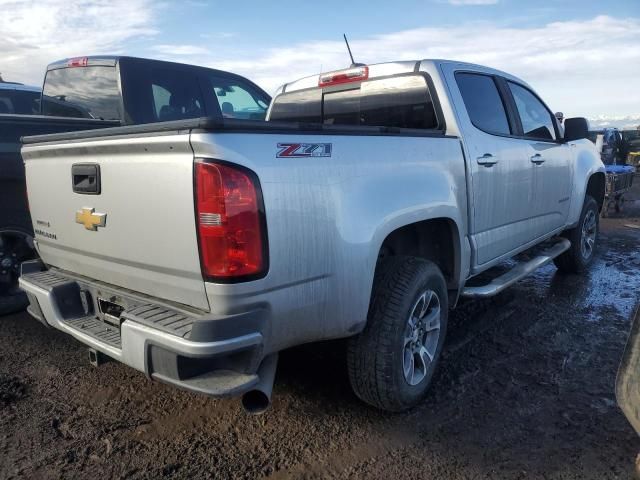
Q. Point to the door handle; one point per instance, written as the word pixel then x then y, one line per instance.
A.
pixel 487 160
pixel 537 159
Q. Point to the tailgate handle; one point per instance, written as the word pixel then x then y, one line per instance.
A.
pixel 85 178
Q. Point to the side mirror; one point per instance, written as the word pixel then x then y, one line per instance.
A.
pixel 576 129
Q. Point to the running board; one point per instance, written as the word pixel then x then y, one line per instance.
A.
pixel 518 272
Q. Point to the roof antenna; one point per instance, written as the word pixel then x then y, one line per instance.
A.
pixel 353 63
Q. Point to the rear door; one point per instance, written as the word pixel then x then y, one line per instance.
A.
pixel 501 173
pixel 550 160
pixel 119 210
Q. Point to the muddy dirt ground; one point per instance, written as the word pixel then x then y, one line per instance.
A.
pixel 525 389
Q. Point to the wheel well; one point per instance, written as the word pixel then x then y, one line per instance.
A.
pixel 595 188
pixel 435 240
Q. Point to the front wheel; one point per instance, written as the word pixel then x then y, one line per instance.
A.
pixel 583 238
pixel 391 362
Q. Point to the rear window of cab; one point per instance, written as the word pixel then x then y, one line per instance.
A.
pixel 397 102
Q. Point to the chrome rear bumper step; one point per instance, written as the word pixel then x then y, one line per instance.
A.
pixel 96 329
pixel 518 272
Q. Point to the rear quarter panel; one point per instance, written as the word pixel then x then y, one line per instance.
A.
pixel 327 218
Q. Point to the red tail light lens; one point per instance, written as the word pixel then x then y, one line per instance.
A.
pixel 230 222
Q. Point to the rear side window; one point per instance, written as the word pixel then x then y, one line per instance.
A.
pixel 83 92
pixel 399 102
pixel 176 95
pixel 483 102
pixel 537 121
pixel 158 93
pixel 239 99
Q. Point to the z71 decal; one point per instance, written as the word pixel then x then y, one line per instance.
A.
pixel 302 150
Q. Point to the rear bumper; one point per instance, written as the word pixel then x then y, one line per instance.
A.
pixel 167 345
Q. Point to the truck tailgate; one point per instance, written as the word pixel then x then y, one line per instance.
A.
pixel 138 232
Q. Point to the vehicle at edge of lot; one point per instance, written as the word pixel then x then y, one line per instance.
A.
pixel 628 380
pixel 364 208
pixel 96 92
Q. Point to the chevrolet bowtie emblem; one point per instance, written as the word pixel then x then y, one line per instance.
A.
pixel 91 220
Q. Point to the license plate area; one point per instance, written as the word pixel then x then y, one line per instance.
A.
pixel 110 310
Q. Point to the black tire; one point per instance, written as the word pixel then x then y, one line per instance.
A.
pixel 12 299
pixel 376 356
pixel 575 260
pixel 13 303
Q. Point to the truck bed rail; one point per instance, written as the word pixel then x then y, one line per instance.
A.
pixel 233 125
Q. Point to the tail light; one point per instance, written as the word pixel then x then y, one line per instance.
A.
pixel 231 226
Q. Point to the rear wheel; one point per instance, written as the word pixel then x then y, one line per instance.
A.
pixel 16 246
pixel 584 240
pixel 392 361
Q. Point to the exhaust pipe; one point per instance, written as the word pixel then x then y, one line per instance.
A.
pixel 258 399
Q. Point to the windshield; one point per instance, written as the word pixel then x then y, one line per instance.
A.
pixel 84 92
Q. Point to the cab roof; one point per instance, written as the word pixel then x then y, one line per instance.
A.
pixel 19 86
pixel 397 68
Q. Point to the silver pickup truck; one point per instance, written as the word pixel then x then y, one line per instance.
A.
pixel 196 250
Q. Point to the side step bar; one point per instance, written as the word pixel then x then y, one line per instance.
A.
pixel 518 272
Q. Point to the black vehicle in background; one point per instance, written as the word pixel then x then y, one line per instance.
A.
pixel 97 92
pixel 19 98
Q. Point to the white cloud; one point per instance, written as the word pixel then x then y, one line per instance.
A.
pixel 37 32
pixel 178 50
pixel 582 67
pixel 626 122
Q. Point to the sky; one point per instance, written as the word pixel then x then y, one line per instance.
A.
pixel 581 56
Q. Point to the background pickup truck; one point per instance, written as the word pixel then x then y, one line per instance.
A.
pixel 97 92
pixel 364 208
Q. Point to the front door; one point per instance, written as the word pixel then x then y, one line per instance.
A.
pixel 551 160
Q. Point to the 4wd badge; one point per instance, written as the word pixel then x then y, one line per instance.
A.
pixel 303 150
pixel 90 219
